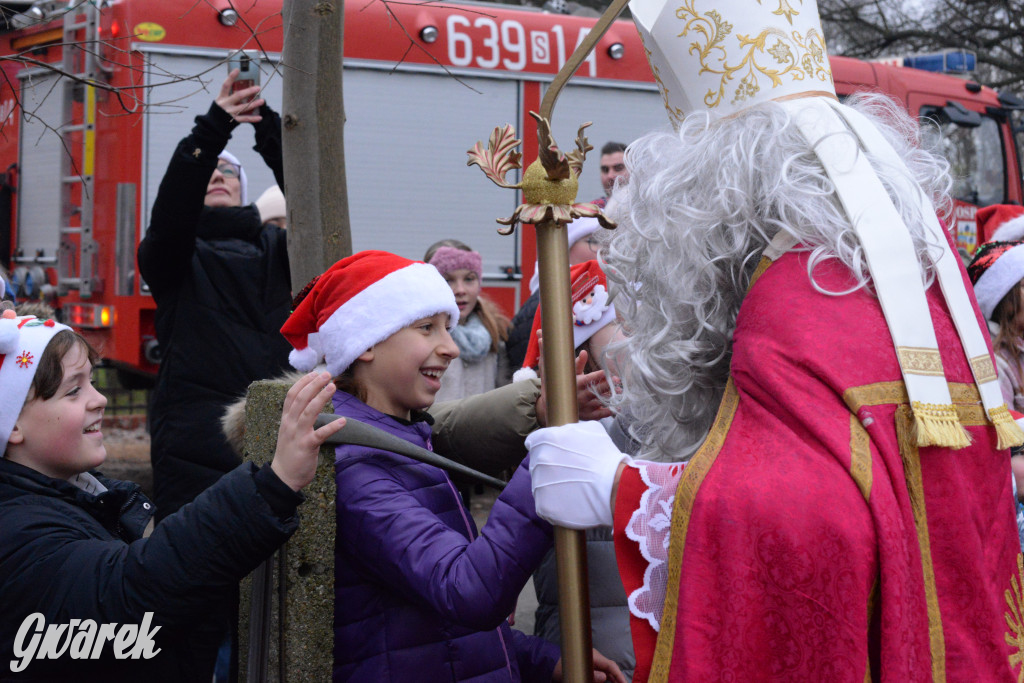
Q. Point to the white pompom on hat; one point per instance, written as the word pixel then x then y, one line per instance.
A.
pixel 360 301
pixel 22 342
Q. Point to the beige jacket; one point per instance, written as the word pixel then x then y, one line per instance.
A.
pixel 485 431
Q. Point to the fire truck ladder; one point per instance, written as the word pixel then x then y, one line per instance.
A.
pixel 76 267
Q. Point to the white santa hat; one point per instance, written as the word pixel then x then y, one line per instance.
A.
pixel 577 230
pixel 242 181
pixel 22 342
pixel 588 280
pixel 360 301
pixel 271 204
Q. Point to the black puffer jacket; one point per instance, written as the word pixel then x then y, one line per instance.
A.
pixel 222 288
pixel 519 331
pixel 72 554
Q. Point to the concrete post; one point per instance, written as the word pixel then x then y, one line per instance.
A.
pixel 301 639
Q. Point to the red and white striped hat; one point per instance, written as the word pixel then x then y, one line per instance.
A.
pixel 360 301
pixel 22 342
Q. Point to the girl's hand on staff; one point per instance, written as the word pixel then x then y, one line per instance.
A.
pixel 298 441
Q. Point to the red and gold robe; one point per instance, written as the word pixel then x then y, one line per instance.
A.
pixel 809 538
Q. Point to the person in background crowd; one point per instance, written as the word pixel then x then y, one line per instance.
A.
pixel 997 273
pixel 420 594
pixel 583 246
pixel 221 283
pixel 613 167
pixel 482 329
pixel 6 290
pixel 271 206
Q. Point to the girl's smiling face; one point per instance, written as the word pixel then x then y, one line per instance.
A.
pixel 60 436
pixel 403 372
pixel 465 285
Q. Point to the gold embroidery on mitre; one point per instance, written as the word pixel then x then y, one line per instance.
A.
pixel 785 10
pixel 917 361
pixel 675 114
pixel 983 368
pixel 1015 619
pixel 797 55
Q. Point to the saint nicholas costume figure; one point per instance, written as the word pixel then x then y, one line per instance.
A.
pixel 823 488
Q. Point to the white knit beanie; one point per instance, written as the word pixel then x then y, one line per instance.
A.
pixel 229 157
pixel 22 342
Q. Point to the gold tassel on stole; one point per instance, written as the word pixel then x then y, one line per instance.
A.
pixel 938 425
pixel 1008 432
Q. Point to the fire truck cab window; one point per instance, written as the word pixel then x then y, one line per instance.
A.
pixel 974 152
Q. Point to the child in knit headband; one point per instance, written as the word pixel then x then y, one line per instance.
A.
pixel 482 364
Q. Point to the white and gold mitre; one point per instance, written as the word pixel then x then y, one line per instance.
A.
pixel 722 56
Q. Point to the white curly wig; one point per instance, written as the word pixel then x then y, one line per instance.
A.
pixel 699 209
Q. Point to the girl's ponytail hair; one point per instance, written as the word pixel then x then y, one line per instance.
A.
pixel 495 322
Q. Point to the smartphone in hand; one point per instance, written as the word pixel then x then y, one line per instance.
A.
pixel 248 64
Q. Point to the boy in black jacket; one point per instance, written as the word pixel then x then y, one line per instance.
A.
pixel 80 589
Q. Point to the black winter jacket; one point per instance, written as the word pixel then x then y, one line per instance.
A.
pixel 518 341
pixel 70 554
pixel 222 288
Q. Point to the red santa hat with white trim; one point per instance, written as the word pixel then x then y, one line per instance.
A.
pixel 22 342
pixel 360 301
pixel 591 310
pixel 1002 222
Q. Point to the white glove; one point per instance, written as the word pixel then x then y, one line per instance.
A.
pixel 572 469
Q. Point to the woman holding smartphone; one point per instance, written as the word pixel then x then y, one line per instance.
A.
pixel 222 288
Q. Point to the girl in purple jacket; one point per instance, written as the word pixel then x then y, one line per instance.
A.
pixel 419 595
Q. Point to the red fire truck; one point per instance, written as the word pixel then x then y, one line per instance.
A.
pixel 422 84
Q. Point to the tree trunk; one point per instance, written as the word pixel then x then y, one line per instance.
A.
pixel 319 232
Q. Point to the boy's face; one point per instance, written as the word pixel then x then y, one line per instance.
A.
pixel 60 436
pixel 403 372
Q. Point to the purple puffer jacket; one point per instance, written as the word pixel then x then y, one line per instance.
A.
pixel 418 595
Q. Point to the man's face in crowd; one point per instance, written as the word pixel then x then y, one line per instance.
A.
pixel 612 167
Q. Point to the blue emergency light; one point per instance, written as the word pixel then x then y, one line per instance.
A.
pixel 946 62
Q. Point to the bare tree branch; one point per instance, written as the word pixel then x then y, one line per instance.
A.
pixel 992 29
